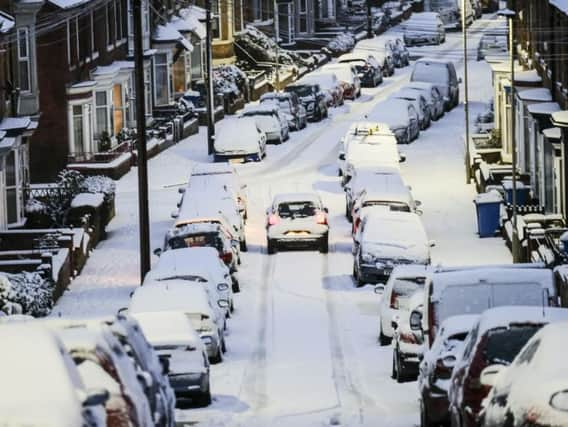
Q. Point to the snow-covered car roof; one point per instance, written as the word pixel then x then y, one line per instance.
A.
pixel 499 275
pixel 506 316
pixel 168 328
pixel 38 386
pixel 173 295
pixel 218 168
pixel 353 56
pixel 373 154
pixel 275 95
pixel 194 261
pixel 403 229
pixel 326 79
pixel 412 270
pixel 296 197
pixel 240 134
pixel 434 61
pixel 369 128
pixel 420 85
pixel 389 187
pixel 408 93
pixel 194 228
pixel 392 111
pixel 263 108
pixel 343 71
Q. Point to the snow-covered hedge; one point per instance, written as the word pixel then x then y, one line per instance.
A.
pixel 342 43
pixel 229 80
pixel 99 184
pixel 25 293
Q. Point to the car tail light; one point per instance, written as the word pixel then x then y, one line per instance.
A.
pixel 408 338
pixel 321 218
pixel 227 257
pixel 273 219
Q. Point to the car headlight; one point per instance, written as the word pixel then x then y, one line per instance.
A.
pixel 367 257
pixel 559 400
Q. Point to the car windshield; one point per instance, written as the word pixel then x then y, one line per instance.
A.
pixel 196 240
pixel 296 209
pixel 503 345
pixel 301 91
pixel 431 73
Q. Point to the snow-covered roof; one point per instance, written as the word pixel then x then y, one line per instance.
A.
pixel 353 56
pixel 407 93
pixel 552 133
pixel 168 33
pixel 7 22
pixel 529 76
pixel 68 4
pixel 195 228
pixel 88 199
pixel 505 316
pixel 193 15
pixel 537 94
pixel 387 187
pixel 168 328
pixel 15 123
pixel 171 295
pixel 34 375
pixel 95 377
pixel 196 261
pixel 560 118
pixel 544 108
pixel 459 324
pixel 260 108
pixel 341 70
pixel 561 5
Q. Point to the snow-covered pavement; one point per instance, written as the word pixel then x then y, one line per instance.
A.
pixel 302 347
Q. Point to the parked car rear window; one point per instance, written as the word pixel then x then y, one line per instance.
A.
pixel 404 288
pixel 431 73
pixel 296 209
pixel 196 240
pixel 301 91
pixel 503 345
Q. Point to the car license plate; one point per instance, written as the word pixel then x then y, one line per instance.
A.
pixel 239 160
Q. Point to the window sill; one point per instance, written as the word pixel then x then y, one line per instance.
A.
pixel 95 56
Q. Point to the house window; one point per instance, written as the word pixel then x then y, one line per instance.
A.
pixel 161 79
pixel 303 16
pixel 257 5
pixel 148 90
pixel 145 25
pixel 120 108
pixel 92 32
pixel 72 42
pixel 103 114
pixel 110 24
pixel 78 134
pixel 215 20
pixel 85 42
pixel 197 62
pixel 24 74
pixel 286 22
pixel 12 187
pixel 180 75
pixel 238 18
pixel 118 19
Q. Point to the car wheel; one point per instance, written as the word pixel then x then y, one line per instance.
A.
pixel 383 339
pixel 271 247
pixel 243 245
pixel 324 245
pixel 394 373
pixel 203 399
pixel 235 286
pixel 399 370
pixel 218 358
pixel 223 343
pixel 326 114
pixel 424 419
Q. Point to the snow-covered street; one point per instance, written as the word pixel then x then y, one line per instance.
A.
pixel 302 345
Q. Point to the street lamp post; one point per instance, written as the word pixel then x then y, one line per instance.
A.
pixel 209 80
pixel 466 95
pixel 510 14
pixel 277 40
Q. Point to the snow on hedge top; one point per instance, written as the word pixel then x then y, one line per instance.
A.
pixel 506 316
pixel 507 276
pixel 88 199
pixel 171 295
pixel 37 381
pixel 168 328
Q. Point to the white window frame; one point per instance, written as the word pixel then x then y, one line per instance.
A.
pixel 216 16
pixel 88 136
pixel 118 22
pixel 110 43
pixel 24 59
pixel 168 65
pixel 109 111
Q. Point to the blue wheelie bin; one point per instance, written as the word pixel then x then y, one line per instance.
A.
pixel 523 192
pixel 488 206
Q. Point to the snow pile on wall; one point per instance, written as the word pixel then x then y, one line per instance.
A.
pixel 25 293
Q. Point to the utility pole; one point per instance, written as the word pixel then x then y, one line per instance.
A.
pixel 466 96
pixel 143 210
pixel 277 40
pixel 209 80
pixel 370 34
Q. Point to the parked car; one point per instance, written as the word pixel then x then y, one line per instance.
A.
pixel 496 338
pixel 386 239
pixel 173 337
pixel 492 45
pixel 408 345
pixel 531 391
pixel 240 142
pixel 402 284
pixel 348 77
pixel 441 74
pixel 401 116
pixel 298 219
pixel 369 70
pixel 436 369
pixel 128 402
pixel 271 120
pixel 386 61
pixel 420 105
pixel 42 386
pixel 196 265
pixel 399 52
pixel 207 319
pixel 290 105
pixel 433 97
pixel 225 175
pixel 363 179
pixel 424 28
pixel 472 290
pixel 312 98
pixel 329 84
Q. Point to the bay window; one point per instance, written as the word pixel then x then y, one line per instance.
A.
pixel 24 74
pixel 162 90
pixel 103 116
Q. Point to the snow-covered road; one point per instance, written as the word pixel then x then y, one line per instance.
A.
pixel 302 344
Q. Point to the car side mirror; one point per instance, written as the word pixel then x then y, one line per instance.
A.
pixel 341 155
pixel 379 289
pixel 145 379
pixel 181 190
pixel 165 362
pixel 123 310
pixel 459 80
pixel 394 322
pixel 95 397
pixel 432 243
pixel 244 186
pixel 416 320
pixel 326 210
pixel 222 287
pixel 402 158
pixel 417 203
pixel 158 251
pixel 489 374
pixel 174 214
pixel 223 303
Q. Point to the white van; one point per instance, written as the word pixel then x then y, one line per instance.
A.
pixel 207 320
pixel 41 384
pixel 472 290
